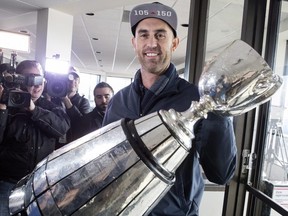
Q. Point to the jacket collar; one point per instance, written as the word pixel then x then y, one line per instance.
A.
pixel 164 80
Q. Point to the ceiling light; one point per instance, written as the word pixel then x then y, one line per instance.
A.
pixel 14 41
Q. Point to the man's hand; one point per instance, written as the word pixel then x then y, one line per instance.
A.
pixel 67 102
pixel 32 106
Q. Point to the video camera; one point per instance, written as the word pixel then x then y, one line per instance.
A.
pixel 11 82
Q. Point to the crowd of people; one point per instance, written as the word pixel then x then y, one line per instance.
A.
pixel 28 134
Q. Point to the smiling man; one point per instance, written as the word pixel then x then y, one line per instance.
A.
pixel 157 86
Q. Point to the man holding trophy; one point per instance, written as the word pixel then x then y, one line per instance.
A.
pixel 157 86
pixel 158 132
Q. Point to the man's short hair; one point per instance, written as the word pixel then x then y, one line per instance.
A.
pixel 27 64
pixel 103 85
pixel 153 10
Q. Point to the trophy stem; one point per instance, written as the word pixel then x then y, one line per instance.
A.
pixel 181 124
pixel 197 110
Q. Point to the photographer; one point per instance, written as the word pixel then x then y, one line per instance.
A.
pixel 27 134
pixel 74 104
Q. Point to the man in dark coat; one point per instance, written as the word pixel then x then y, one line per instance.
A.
pixel 157 86
pixel 74 104
pixel 27 134
pixel 92 121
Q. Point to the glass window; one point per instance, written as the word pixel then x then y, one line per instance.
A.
pixel 275 164
pixel 224 26
pixel 89 81
pixel 118 83
pixel 87 85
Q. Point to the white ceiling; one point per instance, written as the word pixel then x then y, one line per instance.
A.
pixel 109 24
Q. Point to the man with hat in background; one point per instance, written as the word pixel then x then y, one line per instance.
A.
pixel 73 98
pixel 75 105
pixel 157 86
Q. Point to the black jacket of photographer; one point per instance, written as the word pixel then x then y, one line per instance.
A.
pixel 28 137
pixel 80 107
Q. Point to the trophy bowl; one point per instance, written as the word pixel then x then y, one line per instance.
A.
pixel 238 80
pixel 234 82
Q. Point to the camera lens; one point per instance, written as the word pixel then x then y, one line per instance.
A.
pixel 19 99
pixel 58 88
pixel 57 85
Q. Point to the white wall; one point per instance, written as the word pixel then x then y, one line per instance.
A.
pixel 212 203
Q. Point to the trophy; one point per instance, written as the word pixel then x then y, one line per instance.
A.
pixel 126 167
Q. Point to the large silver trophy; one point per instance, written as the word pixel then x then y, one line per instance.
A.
pixel 126 167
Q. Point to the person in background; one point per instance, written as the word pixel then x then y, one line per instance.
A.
pixel 73 98
pixel 74 104
pixel 157 86
pixel 27 134
pixel 103 92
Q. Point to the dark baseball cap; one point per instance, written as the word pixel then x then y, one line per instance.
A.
pixel 153 10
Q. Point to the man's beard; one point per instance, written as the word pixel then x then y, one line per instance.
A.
pixel 102 108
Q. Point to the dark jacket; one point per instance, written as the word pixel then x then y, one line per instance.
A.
pixel 88 122
pixel 81 103
pixel 80 107
pixel 214 141
pixel 28 137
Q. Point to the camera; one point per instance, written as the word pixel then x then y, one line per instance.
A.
pixel 13 97
pixel 56 85
pixel 18 99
